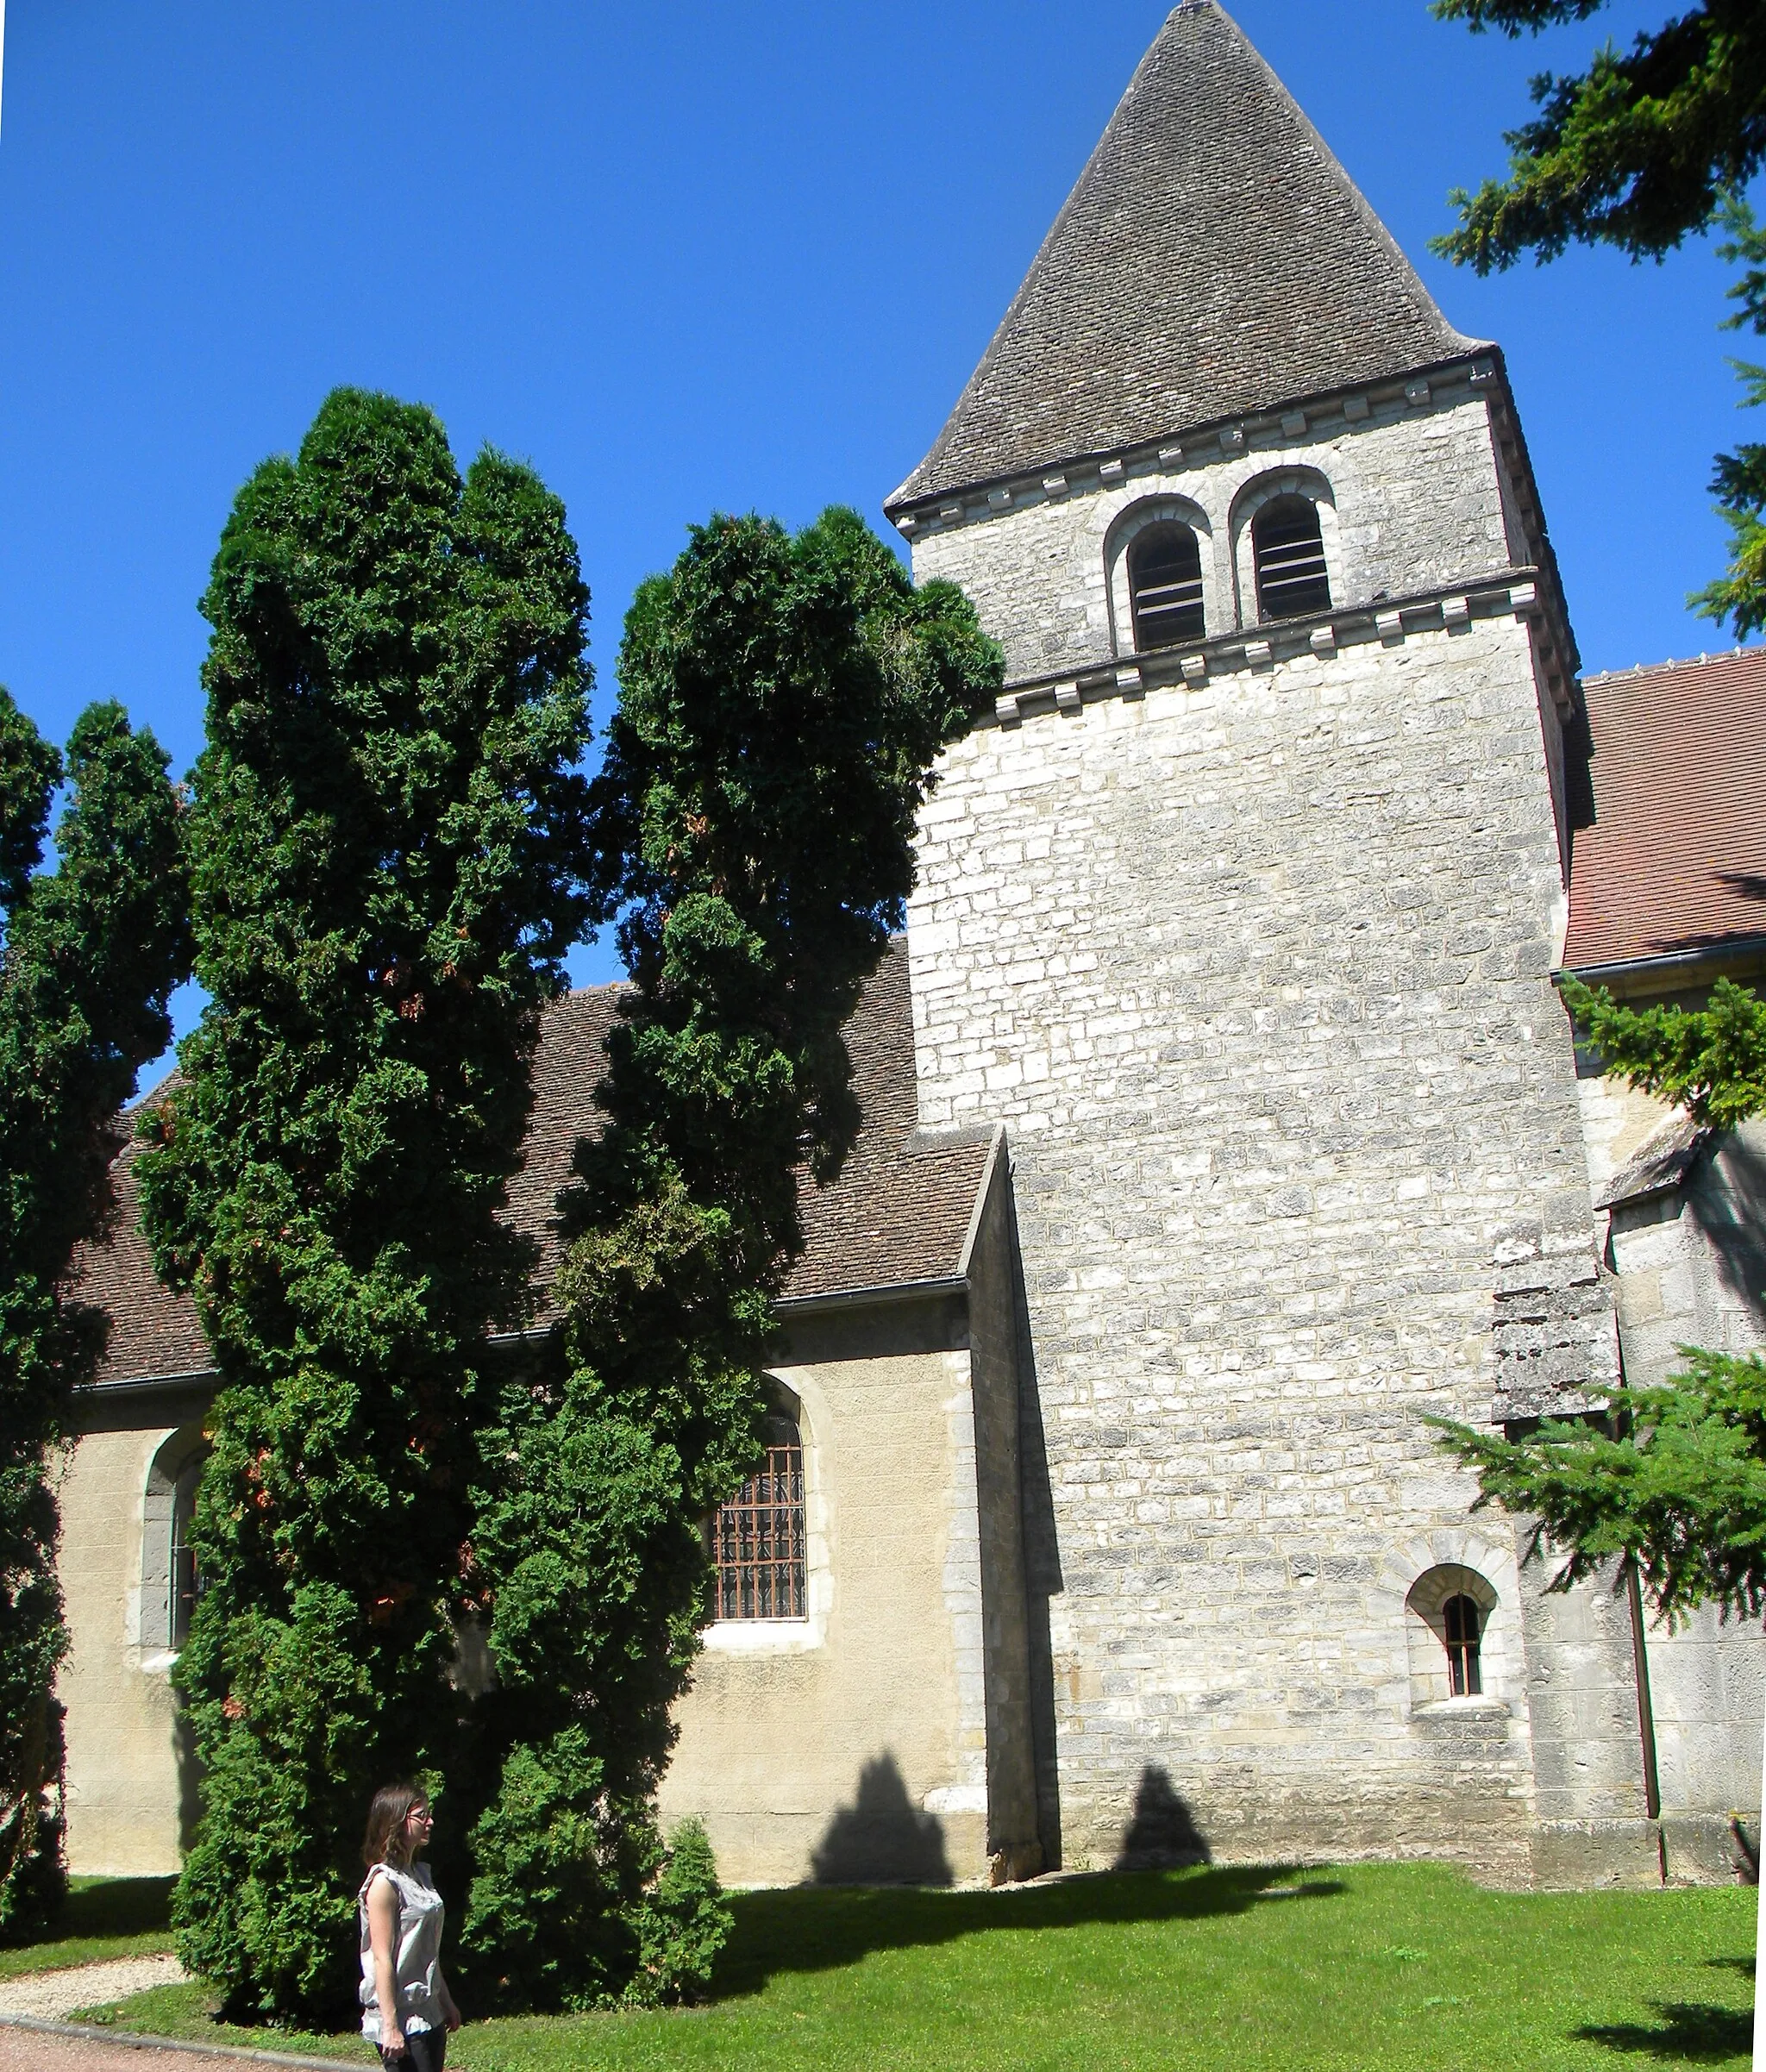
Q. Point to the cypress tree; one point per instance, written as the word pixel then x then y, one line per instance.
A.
pixel 385 838
pixel 93 949
pixel 781 701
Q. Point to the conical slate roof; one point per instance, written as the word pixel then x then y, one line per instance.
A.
pixel 1213 259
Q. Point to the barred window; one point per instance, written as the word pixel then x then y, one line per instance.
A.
pixel 1165 585
pixel 758 1537
pixel 1288 548
pixel 185 1583
pixel 1461 1623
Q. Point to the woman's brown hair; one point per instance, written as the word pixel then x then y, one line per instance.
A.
pixel 385 1841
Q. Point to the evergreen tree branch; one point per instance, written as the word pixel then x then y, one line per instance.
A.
pixel 1636 152
pixel 1673 1477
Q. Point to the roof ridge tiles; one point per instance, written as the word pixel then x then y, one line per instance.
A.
pixel 1213 259
pixel 1690 661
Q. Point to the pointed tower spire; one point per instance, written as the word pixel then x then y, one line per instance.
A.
pixel 1213 259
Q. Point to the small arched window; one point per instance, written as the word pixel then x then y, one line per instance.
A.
pixel 170 1581
pixel 1462 1627
pixel 758 1535
pixel 1288 550
pixel 1165 585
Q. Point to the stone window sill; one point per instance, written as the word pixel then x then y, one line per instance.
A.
pixel 762 1635
pixel 1460 1708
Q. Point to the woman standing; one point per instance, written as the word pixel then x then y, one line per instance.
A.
pixel 407 2010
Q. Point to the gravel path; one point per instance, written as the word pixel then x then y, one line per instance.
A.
pixel 54 1995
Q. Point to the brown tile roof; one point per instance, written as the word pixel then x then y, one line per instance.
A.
pixel 899 1212
pixel 1676 858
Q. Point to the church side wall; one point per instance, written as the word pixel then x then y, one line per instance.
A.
pixel 853 1748
pixel 123 1768
pixel 1257 974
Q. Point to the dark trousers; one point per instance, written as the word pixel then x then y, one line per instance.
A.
pixel 424 2049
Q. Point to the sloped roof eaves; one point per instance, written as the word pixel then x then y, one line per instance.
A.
pixel 1213 259
pixel 1673 866
pixel 896 1216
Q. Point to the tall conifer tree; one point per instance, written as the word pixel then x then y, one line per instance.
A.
pixel 385 841
pixel 93 949
pixel 781 701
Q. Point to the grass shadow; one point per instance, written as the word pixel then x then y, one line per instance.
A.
pixel 1688 2033
pixel 803 1929
pixel 108 1907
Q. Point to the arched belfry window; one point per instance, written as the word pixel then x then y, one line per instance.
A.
pixel 1288 549
pixel 1165 585
pixel 1462 1627
pixel 758 1536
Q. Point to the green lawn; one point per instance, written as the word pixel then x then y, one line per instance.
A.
pixel 103 1918
pixel 1401 1967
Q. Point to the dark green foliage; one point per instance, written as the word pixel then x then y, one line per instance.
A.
pixel 781 701
pixel 1709 1061
pixel 687 1922
pixel 386 840
pixel 1739 481
pixel 1637 150
pixel 92 952
pixel 1674 1478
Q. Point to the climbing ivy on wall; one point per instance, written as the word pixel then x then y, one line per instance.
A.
pixel 386 835
pixel 782 700
pixel 92 950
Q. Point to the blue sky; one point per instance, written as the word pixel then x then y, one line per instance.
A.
pixel 683 257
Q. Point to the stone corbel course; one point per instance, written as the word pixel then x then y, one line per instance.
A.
pixel 1514 593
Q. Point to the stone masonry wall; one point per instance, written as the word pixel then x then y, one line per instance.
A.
pixel 1255 972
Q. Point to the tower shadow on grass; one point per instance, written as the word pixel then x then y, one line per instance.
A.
pixel 1688 2033
pixel 806 1929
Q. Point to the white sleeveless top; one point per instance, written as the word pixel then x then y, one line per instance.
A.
pixel 416 1951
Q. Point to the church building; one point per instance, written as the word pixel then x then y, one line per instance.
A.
pixel 1221 1123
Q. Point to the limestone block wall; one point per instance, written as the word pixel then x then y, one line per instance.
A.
pixel 853 1746
pixel 1415 500
pixel 1256 971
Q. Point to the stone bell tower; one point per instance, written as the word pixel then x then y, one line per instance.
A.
pixel 1239 912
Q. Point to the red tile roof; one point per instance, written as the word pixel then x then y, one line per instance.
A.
pixel 897 1212
pixel 1676 858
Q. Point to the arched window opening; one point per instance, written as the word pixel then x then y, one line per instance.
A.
pixel 1165 585
pixel 1288 550
pixel 1463 1625
pixel 758 1536
pixel 171 1582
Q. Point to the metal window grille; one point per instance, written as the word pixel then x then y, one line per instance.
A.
pixel 1289 552
pixel 758 1535
pixel 1165 585
pixel 185 1582
pixel 1460 1616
